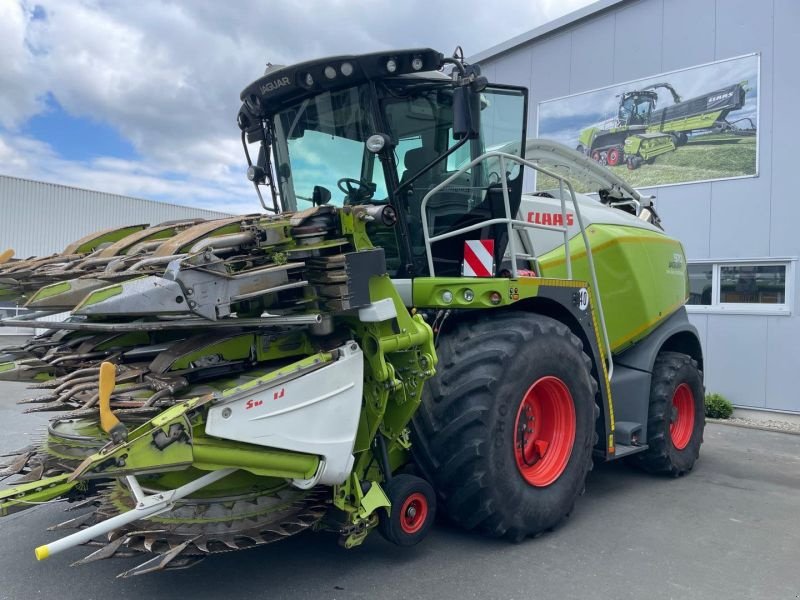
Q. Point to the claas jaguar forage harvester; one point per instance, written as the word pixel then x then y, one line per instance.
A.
pixel 400 332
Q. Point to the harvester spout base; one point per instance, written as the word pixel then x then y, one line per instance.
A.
pixel 147 506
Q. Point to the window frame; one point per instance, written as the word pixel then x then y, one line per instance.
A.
pixel 745 308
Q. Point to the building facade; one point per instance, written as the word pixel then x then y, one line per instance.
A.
pixel 38 219
pixel 738 225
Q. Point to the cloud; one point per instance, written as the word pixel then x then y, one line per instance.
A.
pixel 167 76
pixel 22 156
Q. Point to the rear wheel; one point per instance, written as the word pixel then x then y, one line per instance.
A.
pixel 676 419
pixel 506 428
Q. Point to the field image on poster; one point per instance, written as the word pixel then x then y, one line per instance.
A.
pixel 696 124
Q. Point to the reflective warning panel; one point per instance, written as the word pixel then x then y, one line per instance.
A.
pixel 478 258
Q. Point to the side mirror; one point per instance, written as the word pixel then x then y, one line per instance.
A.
pixel 467 109
pixel 320 195
pixel 257 173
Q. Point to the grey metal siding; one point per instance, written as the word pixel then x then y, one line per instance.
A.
pixel 750 358
pixel 38 218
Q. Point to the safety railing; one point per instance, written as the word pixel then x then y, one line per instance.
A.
pixel 512 224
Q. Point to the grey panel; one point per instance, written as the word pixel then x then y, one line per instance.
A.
pixel 783 339
pixel 740 218
pixel 550 75
pixel 550 68
pixel 592 61
pixel 637 44
pixel 743 26
pixel 785 213
pixel 685 212
pixel 700 321
pixel 688 33
pixel 514 68
pixel 41 218
pixel 736 363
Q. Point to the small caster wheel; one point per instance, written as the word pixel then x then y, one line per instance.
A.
pixel 412 513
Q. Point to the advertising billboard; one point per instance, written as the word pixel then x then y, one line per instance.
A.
pixel 695 124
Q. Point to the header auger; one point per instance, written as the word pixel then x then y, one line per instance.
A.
pixel 427 338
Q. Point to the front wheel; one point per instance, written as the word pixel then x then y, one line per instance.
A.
pixel 676 418
pixel 507 426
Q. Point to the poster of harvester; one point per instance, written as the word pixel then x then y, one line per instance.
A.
pixel 696 124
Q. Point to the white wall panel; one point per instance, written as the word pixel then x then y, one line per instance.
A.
pixel 783 362
pixel 39 218
pixel 688 28
pixel 785 208
pixel 739 218
pixel 592 60
pixel 685 211
pixel 638 40
pixel 736 358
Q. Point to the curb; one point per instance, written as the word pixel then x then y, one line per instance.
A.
pixel 751 426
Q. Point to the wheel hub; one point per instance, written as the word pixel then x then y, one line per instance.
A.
pixel 414 513
pixel 681 423
pixel 544 432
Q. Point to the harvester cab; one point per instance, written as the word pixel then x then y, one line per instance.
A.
pixel 397 127
pixel 404 329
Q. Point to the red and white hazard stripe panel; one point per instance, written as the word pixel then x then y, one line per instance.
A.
pixel 478 258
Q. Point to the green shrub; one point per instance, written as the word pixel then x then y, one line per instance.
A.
pixel 718 406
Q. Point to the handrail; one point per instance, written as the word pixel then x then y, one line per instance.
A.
pixel 512 224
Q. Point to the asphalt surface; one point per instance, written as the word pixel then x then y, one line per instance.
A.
pixel 729 530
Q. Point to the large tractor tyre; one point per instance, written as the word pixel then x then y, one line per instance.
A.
pixel 676 418
pixel 506 428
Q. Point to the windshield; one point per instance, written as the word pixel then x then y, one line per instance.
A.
pixel 420 119
pixel 320 142
pixel 635 110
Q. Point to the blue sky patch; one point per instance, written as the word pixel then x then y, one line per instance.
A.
pixel 77 138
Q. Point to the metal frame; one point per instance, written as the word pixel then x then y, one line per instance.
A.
pixel 742 308
pixel 36 320
pixel 514 224
pixel 146 506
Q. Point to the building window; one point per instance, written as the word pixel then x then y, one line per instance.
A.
pixel 757 286
pixel 701 276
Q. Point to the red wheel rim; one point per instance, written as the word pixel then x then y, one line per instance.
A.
pixel 414 513
pixel 682 423
pixel 544 432
pixel 613 157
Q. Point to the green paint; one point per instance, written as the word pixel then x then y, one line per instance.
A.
pixel 100 295
pixel 430 292
pixel 632 305
pixel 6 366
pixel 49 291
pixel 107 238
pixel 648 146
pixel 211 454
pixel 21 497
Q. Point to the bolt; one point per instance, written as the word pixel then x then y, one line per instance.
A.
pixel 226 412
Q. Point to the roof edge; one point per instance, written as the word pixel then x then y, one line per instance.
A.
pixel 545 29
pixel 115 195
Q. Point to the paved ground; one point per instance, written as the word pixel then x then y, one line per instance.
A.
pixel 729 530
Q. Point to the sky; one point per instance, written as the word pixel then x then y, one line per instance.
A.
pixel 140 98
